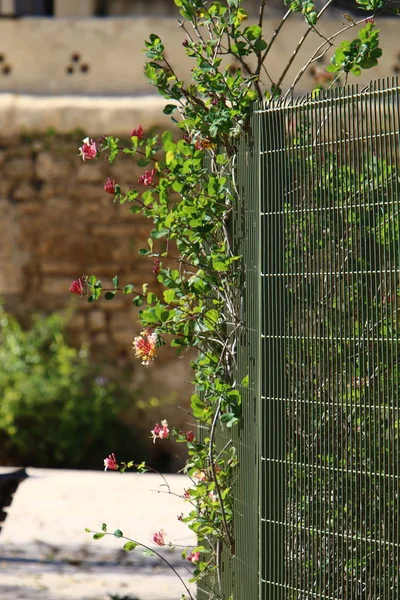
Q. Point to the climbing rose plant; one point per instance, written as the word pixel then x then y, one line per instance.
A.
pixel 187 191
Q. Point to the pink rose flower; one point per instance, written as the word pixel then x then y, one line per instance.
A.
pixel 111 463
pixel 137 132
pixel 77 287
pixel 160 431
pixel 88 149
pixel 146 178
pixel 158 537
pixel 109 186
pixel 193 557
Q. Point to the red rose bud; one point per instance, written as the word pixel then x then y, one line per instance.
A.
pixel 137 132
pixel 76 287
pixel 109 186
pixel 189 436
pixel 156 266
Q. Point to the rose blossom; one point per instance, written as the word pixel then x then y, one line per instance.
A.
pixel 109 186
pixel 88 149
pixel 145 346
pixel 189 436
pixel 111 463
pixel 158 537
pixel 160 431
pixel 137 132
pixel 200 476
pixel 76 287
pixel 193 557
pixel 146 178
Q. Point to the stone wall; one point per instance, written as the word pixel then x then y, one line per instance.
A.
pixel 57 222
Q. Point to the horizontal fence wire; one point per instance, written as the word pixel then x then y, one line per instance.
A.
pixel 330 345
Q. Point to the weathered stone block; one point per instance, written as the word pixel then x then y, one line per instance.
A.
pixel 93 172
pixel 24 191
pixel 51 167
pixel 124 337
pixel 56 285
pixel 20 168
pixel 77 322
pixel 96 320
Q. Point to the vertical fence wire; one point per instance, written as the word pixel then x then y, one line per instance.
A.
pixel 242 578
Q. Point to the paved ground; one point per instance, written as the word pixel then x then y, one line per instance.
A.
pixel 46 554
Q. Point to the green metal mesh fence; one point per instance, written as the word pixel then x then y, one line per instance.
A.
pixel 325 408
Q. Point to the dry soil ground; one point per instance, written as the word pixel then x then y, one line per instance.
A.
pixel 46 554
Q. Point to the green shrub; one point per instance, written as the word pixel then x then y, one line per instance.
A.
pixel 54 411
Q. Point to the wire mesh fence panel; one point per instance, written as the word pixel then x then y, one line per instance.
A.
pixel 329 345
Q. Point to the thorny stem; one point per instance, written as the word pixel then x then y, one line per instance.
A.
pixel 217 488
pixel 123 537
pixel 261 13
pixel 274 36
pixel 320 53
pixel 299 45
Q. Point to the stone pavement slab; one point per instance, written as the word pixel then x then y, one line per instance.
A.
pixel 45 552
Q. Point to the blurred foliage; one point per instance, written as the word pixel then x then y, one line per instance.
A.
pixel 54 410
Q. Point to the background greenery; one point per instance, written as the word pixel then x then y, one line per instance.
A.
pixel 55 408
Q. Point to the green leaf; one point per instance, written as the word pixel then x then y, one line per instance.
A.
pixel 159 233
pixel 128 289
pixel 229 419
pixel 104 527
pixel 169 109
pixel 98 536
pixel 198 406
pixel 148 553
pixel 115 281
pixel 118 533
pixel 260 45
pixel 253 32
pixel 144 251
pixel 169 296
pixel 166 137
pixel 130 546
pixel 219 265
pixel 245 381
pixel 211 319
pixel 109 295
pixel 137 301
pixel 142 162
